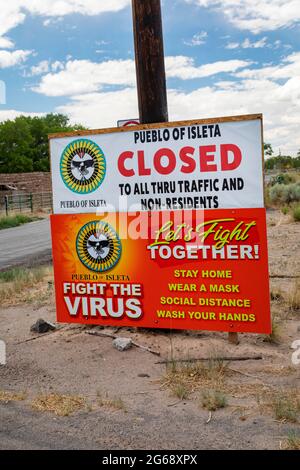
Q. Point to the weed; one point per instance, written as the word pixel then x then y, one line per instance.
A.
pixel 276 295
pixel 212 400
pixel 15 220
pixel 116 402
pixel 180 391
pixel 285 210
pixel 61 405
pixel 15 282
pixel 293 298
pixel 286 407
pixel 275 336
pixel 6 397
pixel 296 213
pixel 187 377
pixel 292 441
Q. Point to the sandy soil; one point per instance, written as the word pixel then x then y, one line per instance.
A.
pixel 72 362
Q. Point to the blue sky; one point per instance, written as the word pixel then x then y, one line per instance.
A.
pixel 222 58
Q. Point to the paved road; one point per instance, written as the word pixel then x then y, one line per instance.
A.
pixel 28 244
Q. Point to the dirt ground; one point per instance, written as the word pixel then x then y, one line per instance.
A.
pixel 128 400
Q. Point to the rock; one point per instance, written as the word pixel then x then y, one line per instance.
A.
pixel 42 326
pixel 122 344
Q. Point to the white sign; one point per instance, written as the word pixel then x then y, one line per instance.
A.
pixel 206 164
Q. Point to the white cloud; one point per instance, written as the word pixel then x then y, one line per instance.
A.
pixel 256 15
pixel 13 12
pixel 197 40
pixel 232 45
pixel 11 16
pixel 98 110
pixel 52 21
pixel 101 43
pixel 65 7
pixel 288 68
pixel 10 114
pixel 44 67
pixel 184 67
pixel 6 43
pixel 247 44
pixel 280 106
pixel 57 65
pixel 84 76
pixel 10 59
pixel 272 90
pixel 260 43
pixel 40 68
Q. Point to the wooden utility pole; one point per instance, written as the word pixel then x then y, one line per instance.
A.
pixel 149 60
pixel 150 69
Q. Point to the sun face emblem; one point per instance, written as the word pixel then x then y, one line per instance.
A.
pixel 98 246
pixel 83 166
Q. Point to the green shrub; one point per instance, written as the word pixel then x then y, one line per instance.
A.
pixel 285 210
pixel 15 220
pixel 296 213
pixel 283 178
pixel 212 400
pixel 285 193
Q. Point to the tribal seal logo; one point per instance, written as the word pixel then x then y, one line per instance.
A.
pixel 98 246
pixel 83 166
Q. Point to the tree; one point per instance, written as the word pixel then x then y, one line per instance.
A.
pixel 24 142
pixel 268 151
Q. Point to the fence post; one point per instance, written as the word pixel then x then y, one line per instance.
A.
pixel 31 201
pixel 6 205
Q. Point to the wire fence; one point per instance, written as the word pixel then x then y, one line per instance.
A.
pixel 29 202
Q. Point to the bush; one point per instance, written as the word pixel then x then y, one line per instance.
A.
pixel 213 400
pixel 15 221
pixel 296 214
pixel 283 178
pixel 285 193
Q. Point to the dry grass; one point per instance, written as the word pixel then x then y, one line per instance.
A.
pixel 180 391
pixel 276 295
pixel 6 397
pixel 20 284
pixel 293 298
pixel 61 405
pixel 212 400
pixel 41 295
pixel 275 336
pixel 115 403
pixel 286 407
pixel 292 442
pixel 188 377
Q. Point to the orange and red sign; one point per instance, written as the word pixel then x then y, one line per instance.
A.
pixel 201 270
